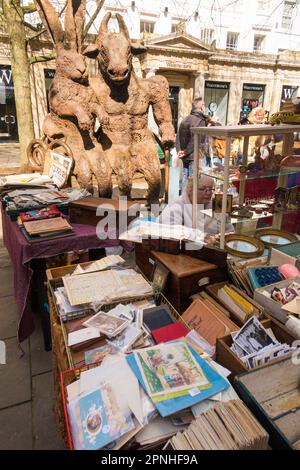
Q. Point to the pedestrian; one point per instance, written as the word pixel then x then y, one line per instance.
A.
pixel 185 138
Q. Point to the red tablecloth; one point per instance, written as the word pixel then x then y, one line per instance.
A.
pixel 21 253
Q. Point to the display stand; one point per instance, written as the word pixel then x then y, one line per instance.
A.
pixel 226 132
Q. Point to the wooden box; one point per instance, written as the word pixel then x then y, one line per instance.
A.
pixel 188 276
pixel 85 211
pixel 228 359
pixel 272 393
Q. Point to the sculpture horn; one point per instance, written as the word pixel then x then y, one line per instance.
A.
pixel 104 23
pixel 122 26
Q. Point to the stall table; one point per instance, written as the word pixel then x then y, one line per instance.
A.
pixel 22 253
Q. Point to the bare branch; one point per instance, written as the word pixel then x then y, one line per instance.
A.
pixel 29 8
pixel 30 26
pixel 41 58
pixel 43 30
pixel 92 18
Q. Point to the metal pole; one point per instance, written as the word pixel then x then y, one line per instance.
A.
pixel 195 179
pixel 225 189
pixel 167 174
pixel 243 174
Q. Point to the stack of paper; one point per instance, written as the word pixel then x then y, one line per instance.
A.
pixel 255 346
pixel 105 287
pixel 99 265
pixel 106 406
pixel 66 310
pixel 227 426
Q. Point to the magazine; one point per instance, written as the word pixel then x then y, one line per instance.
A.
pixel 169 368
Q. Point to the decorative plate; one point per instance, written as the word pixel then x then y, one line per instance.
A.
pixel 271 237
pixel 243 246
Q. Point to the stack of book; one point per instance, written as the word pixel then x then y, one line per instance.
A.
pixel 39 230
pixel 227 426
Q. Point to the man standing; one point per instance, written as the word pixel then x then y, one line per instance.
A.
pixel 185 138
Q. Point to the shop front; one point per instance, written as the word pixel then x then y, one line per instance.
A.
pixel 289 92
pixel 8 116
pixel 252 97
pixel 216 98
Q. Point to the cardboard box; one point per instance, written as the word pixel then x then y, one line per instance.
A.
pixel 271 306
pixel 287 254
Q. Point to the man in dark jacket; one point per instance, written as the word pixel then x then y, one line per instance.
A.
pixel 185 138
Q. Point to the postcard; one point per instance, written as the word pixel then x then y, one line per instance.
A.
pixel 102 420
pixel 169 368
pixel 109 325
pixel 127 338
pixel 98 354
pixel 253 337
pixel 79 336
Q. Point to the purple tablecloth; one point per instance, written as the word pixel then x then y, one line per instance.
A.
pixel 21 253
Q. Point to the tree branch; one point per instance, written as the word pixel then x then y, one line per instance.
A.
pixel 30 26
pixel 43 30
pixel 41 58
pixel 92 18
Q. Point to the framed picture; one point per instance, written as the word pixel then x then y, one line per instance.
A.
pixel 159 277
pixel 218 202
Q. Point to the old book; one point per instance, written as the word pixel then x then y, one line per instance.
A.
pixel 39 227
pixel 210 323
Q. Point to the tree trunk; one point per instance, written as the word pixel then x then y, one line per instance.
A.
pixel 14 18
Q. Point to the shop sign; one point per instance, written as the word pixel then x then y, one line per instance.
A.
pixel 253 87
pixel 49 73
pixel 6 76
pixel 287 94
pixel 217 85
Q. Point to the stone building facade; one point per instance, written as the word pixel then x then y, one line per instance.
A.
pixel 228 80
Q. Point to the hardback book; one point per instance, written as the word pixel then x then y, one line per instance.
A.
pixel 40 227
pixel 169 333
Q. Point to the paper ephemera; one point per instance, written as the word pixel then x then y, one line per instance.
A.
pixel 109 325
pixel 169 368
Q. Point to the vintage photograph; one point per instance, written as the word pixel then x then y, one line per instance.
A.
pixel 253 337
pixel 107 324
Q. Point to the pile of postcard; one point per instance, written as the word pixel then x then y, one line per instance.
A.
pixel 255 346
pixel 121 329
pixel 116 404
pixel 26 199
pixel 226 426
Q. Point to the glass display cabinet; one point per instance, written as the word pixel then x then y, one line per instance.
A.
pixel 264 195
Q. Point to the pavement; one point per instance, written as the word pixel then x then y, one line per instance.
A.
pixel 26 386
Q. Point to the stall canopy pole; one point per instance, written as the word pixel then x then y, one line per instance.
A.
pixel 167 173
pixel 243 173
pixel 225 190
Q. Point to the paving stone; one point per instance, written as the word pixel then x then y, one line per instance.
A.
pixel 45 433
pixel 15 380
pixel 16 428
pixel 6 281
pixel 41 361
pixel 9 317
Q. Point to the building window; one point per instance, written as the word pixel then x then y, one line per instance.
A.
pixel 174 28
pixel 263 5
pixel 287 17
pixel 147 27
pixel 232 41
pixel 207 35
pixel 258 45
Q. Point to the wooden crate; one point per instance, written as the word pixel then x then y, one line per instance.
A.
pixel 272 394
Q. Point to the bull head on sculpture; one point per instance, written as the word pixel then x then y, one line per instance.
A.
pixel 114 51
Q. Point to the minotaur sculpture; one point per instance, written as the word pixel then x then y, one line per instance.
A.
pixel 116 97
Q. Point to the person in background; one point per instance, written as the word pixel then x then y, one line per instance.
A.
pixel 181 211
pixel 185 138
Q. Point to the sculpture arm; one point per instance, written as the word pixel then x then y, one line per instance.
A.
pixel 159 99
